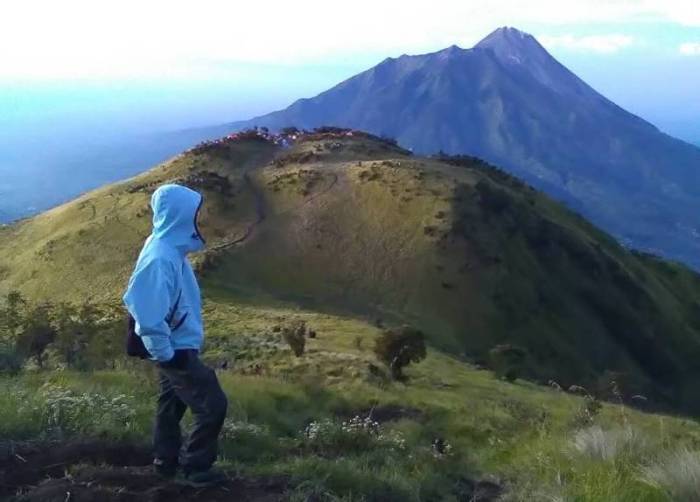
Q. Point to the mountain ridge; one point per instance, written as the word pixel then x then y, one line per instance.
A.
pixel 536 119
pixel 352 223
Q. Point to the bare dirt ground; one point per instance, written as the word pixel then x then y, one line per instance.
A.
pixel 104 471
pixel 96 470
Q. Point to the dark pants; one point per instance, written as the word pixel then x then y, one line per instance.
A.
pixel 189 384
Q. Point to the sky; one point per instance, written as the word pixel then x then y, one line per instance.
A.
pixel 87 86
pixel 169 64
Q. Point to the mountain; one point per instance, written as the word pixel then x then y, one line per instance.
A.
pixel 511 103
pixel 346 222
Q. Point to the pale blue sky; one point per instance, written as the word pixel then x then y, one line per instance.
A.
pixel 84 82
pixel 167 65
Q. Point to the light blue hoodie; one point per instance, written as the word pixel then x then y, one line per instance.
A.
pixel 163 295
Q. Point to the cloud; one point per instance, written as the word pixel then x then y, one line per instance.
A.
pixel 166 38
pixel 605 44
pixel 689 49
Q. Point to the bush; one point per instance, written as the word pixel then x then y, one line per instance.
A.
pixel 397 348
pixel 68 412
pixel 359 434
pixel 587 412
pixel 507 361
pixel 37 334
pixel 12 316
pixel 11 361
pixel 295 335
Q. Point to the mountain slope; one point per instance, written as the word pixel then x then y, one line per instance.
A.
pixel 511 103
pixel 350 223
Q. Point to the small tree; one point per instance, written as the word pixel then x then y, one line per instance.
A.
pixel 64 321
pixel 11 361
pixel 105 348
pixel 508 361
pixel 37 334
pixel 295 335
pixel 397 348
pixel 12 316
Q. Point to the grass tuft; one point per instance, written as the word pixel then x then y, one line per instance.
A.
pixel 677 474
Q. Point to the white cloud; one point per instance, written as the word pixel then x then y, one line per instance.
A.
pixel 690 48
pixel 595 43
pixel 161 38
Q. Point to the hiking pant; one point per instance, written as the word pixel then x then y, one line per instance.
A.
pixel 188 383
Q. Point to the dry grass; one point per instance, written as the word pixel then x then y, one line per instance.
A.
pixel 603 445
pixel 677 474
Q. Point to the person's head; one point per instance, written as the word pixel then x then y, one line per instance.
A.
pixel 175 213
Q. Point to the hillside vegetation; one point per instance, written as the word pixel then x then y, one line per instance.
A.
pixel 348 223
pixel 508 101
pixel 330 426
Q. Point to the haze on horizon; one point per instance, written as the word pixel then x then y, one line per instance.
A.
pixel 80 80
pixel 166 61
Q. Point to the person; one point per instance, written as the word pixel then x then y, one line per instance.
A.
pixel 163 298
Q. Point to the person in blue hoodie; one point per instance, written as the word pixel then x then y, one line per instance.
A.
pixel 164 299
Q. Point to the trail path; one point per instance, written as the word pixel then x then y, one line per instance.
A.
pixel 98 470
pixel 261 210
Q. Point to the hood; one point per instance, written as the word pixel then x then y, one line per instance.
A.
pixel 175 211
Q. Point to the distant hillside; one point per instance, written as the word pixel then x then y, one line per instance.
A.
pixel 508 101
pixel 347 222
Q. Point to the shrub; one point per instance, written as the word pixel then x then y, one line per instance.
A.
pixel 677 474
pixel 295 335
pixel 587 412
pixel 11 361
pixel 235 430
pixel 357 341
pixel 400 347
pixel 507 361
pixel 12 315
pixel 359 434
pixel 66 411
pixel 37 334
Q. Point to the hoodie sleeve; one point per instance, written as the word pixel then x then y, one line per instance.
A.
pixel 149 300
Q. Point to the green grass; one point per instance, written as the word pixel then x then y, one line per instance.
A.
pixel 519 434
pixel 468 254
pixel 363 235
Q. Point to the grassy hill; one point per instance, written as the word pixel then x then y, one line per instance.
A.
pixel 517 441
pixel 355 225
pixel 348 233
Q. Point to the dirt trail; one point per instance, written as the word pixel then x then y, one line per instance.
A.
pixel 261 210
pixel 260 215
pixel 97 470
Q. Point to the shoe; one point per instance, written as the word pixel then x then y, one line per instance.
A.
pixel 202 479
pixel 164 469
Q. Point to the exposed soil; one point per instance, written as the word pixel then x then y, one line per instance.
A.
pixel 98 470
pixel 103 471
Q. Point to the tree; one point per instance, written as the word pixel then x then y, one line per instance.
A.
pixel 76 329
pixel 397 348
pixel 64 321
pixel 508 361
pixel 37 333
pixel 12 316
pixel 295 335
pixel 107 345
